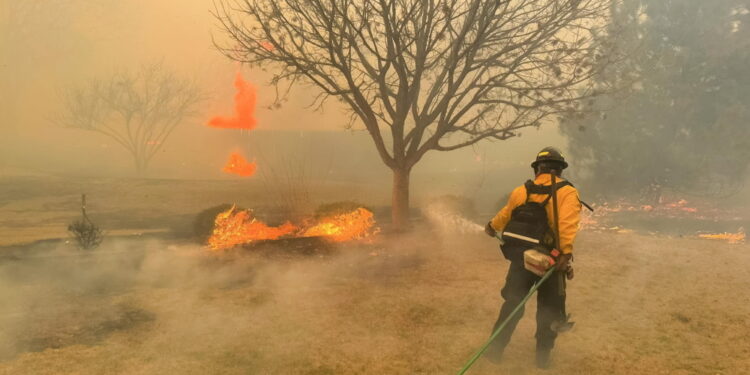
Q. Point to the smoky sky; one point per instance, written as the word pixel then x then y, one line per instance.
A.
pixel 51 46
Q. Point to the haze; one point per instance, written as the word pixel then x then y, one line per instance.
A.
pixel 264 241
pixel 47 48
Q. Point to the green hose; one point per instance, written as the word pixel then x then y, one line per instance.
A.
pixel 505 322
pixel 553 194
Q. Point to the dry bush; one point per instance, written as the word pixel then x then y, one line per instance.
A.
pixel 86 234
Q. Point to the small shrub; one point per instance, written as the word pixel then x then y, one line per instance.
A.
pixel 84 231
pixel 86 234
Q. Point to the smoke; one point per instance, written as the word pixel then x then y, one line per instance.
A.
pixel 58 297
pixel 165 303
pixel 416 304
pixel 444 215
pixel 449 221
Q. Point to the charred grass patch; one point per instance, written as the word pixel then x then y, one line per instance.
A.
pixel 82 326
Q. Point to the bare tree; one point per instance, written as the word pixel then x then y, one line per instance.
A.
pixel 138 110
pixel 425 75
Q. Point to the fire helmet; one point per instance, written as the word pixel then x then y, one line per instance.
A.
pixel 549 154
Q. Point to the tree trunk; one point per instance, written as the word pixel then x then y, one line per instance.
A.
pixel 140 166
pixel 400 199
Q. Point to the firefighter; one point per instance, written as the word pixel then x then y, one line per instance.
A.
pixel 530 206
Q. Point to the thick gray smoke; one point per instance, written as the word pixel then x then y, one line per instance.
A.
pixel 169 302
pixel 55 296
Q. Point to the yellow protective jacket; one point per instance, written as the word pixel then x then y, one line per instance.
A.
pixel 569 209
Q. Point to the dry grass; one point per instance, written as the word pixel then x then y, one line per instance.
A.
pixel 36 208
pixel 419 305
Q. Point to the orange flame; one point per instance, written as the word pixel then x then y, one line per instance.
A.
pixel 268 46
pixel 244 108
pixel 239 166
pixel 738 237
pixel 235 228
pixel 354 225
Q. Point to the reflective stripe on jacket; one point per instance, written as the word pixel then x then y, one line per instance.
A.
pixel 569 209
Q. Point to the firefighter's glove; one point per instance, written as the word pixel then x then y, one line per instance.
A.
pixel 569 274
pixel 490 230
pixel 563 262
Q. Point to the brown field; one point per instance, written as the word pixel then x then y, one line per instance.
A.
pixel 416 304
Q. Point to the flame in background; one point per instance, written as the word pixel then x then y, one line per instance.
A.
pixel 239 166
pixel 738 237
pixel 665 209
pixel 244 118
pixel 244 108
pixel 676 208
pixel 232 228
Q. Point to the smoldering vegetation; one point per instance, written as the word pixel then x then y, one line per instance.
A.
pixel 56 295
pixel 664 160
pixel 181 299
pixel 416 304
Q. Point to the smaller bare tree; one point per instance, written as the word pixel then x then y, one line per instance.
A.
pixel 137 110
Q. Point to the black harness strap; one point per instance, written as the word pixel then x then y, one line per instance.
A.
pixel 532 188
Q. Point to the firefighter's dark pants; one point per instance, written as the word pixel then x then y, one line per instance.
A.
pixel 550 306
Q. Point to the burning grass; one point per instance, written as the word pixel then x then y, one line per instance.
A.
pixel 237 227
pixel 412 309
pixel 738 237
pixel 701 219
pixel 355 225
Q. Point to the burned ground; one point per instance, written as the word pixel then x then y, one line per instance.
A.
pixel 415 304
pixel 420 305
